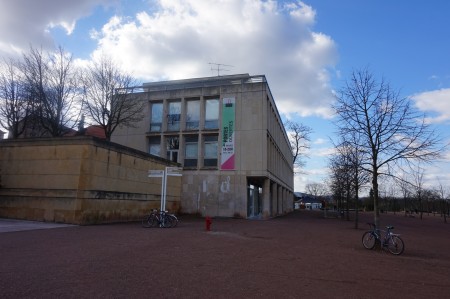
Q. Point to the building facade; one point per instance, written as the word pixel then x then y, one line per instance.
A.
pixel 227 135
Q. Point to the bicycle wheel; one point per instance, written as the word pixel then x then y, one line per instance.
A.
pixel 174 220
pixel 369 240
pixel 395 245
pixel 166 221
pixel 149 221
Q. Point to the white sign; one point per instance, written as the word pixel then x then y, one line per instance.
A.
pixel 173 171
pixel 155 173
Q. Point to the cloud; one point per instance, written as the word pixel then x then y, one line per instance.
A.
pixel 436 102
pixel 24 22
pixel 177 39
pixel 321 151
pixel 320 141
pixel 313 175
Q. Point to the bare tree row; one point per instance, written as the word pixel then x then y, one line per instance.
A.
pixel 381 134
pixel 45 94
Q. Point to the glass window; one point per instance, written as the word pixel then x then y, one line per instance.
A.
pixel 174 115
pixel 154 146
pixel 212 114
pixel 172 146
pixel 156 117
pixel 192 114
pixel 210 150
pixel 191 151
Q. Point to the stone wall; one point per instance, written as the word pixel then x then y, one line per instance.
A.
pixel 80 180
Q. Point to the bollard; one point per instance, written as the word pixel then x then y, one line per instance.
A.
pixel 208 222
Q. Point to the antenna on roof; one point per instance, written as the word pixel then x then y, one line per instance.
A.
pixel 218 67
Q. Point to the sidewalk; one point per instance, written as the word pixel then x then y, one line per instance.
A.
pixel 13 225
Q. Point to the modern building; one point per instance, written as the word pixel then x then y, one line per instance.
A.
pixel 228 136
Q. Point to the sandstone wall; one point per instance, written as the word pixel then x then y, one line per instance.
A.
pixel 80 180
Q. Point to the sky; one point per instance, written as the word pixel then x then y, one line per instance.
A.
pixel 306 49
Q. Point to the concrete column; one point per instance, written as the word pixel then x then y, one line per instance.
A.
pixel 273 199
pixel 266 211
pixel 279 200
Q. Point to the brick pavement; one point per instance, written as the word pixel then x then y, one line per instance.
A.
pixel 301 255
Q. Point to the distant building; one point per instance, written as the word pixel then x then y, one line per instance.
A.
pixel 227 135
pixel 306 201
pixel 94 130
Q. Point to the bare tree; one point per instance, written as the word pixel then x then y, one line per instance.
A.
pixel 405 189
pixel 339 177
pixel 316 189
pixel 54 88
pixel 419 188
pixel 299 137
pixel 389 130
pixel 14 104
pixel 348 176
pixel 110 101
pixel 443 194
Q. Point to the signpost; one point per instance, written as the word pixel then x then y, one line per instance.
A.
pixel 169 171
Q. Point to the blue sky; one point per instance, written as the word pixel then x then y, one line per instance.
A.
pixel 306 49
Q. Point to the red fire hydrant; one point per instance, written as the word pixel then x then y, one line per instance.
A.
pixel 208 222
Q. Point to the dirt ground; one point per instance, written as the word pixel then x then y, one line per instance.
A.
pixel 301 255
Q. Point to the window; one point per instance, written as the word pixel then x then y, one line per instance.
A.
pixel 154 146
pixel 156 117
pixel 191 151
pixel 172 146
pixel 212 114
pixel 210 151
pixel 174 115
pixel 192 114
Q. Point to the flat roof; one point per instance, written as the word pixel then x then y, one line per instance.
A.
pixel 203 82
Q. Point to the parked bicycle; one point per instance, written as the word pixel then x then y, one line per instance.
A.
pixel 391 241
pixel 160 219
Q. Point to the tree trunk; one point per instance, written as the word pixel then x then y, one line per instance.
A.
pixel 347 205
pixel 376 211
pixel 404 205
pixel 445 203
pixel 356 207
pixel 421 208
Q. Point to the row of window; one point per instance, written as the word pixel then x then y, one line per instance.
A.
pixel 191 153
pixel 194 114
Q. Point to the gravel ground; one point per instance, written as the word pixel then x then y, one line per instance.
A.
pixel 301 255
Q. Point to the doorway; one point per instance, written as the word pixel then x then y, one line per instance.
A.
pixel 254 197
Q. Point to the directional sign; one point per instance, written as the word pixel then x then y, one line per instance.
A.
pixel 169 171
pixel 173 171
pixel 156 173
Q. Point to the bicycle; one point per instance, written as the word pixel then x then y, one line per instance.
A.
pixel 160 218
pixel 391 241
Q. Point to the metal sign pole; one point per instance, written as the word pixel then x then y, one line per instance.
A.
pixel 165 190
pixel 159 174
pixel 169 171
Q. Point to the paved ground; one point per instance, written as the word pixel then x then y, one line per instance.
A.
pixel 301 255
pixel 12 225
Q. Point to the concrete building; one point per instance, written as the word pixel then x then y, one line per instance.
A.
pixel 227 134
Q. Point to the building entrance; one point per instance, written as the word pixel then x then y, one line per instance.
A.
pixel 254 198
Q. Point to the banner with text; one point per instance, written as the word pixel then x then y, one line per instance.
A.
pixel 228 119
